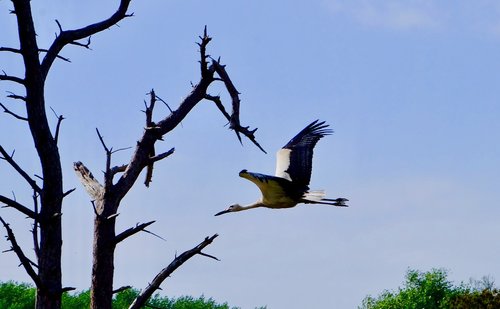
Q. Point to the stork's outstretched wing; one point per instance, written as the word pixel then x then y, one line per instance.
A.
pixel 294 160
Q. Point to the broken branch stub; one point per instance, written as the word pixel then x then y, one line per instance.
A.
pixel 93 187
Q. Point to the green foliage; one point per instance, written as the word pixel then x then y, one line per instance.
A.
pixel 76 300
pixel 15 295
pixel 485 299
pixel 432 290
pixel 123 299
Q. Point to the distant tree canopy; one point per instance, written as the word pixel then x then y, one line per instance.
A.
pixel 432 290
pixel 22 296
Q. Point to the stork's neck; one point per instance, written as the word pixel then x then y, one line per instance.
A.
pixel 254 205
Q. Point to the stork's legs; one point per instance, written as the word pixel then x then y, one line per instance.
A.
pixel 339 202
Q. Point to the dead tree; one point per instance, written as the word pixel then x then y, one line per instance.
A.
pixel 106 198
pixel 48 192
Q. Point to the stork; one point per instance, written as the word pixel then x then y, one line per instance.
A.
pixel 290 185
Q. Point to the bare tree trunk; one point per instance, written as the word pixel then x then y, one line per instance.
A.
pixel 103 262
pixel 51 195
pixel 47 199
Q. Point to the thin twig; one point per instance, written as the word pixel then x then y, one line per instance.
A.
pixel 60 118
pixel 58 56
pixel 108 176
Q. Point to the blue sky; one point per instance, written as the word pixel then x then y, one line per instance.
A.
pixel 409 87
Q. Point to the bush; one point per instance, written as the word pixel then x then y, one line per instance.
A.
pixel 432 290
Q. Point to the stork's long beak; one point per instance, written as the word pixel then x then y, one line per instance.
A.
pixel 222 212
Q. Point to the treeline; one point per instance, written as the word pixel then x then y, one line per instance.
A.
pixel 433 290
pixel 429 290
pixel 15 295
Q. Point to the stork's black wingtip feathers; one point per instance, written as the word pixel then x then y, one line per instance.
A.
pixel 310 134
pixel 320 128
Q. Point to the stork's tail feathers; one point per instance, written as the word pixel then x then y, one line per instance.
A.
pixel 317 197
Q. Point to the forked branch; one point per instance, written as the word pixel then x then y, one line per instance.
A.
pixel 155 130
pixel 141 300
pixel 66 37
pixel 234 118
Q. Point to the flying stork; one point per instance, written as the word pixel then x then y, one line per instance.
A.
pixel 290 185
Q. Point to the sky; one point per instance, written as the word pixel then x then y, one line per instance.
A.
pixel 409 87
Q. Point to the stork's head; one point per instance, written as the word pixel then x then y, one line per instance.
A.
pixel 232 208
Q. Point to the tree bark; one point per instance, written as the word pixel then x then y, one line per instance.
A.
pixel 49 260
pixel 103 260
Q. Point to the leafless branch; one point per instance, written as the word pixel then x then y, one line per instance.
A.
pixel 68 192
pixel 11 50
pixel 15 96
pixel 95 209
pixel 67 289
pixel 161 156
pixel 131 231
pixel 205 39
pixel 150 124
pixel 7 111
pixel 102 141
pixel 36 226
pixel 167 271
pixel 118 169
pixel 58 56
pixel 27 264
pixel 234 119
pixel 149 109
pixel 84 45
pixel 121 289
pixel 142 154
pixel 218 103
pixel 72 36
pixel 155 235
pixel 19 170
pixel 108 176
pixel 164 102
pixel 119 149
pixel 14 79
pixel 21 208
pixel 60 118
pixel 93 187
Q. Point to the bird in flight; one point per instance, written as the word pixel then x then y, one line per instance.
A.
pixel 290 185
